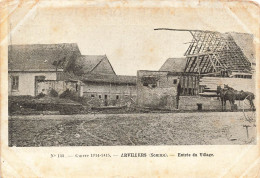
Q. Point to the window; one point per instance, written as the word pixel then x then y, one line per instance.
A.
pixel 186 91
pixel 117 97
pixel 149 81
pixel 15 82
pixel 175 81
pixel 92 95
pixel 99 96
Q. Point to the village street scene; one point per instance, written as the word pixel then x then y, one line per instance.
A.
pixel 58 96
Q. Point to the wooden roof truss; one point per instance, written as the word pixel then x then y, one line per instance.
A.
pixel 211 52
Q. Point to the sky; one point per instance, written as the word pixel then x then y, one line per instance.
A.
pixel 125 34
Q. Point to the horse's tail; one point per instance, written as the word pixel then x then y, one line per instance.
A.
pixel 253 96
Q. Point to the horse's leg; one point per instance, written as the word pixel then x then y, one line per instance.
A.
pixel 252 106
pixel 225 104
pixel 231 104
pixel 222 104
pixel 250 102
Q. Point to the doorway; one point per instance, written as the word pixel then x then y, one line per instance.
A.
pixel 106 102
pixel 36 80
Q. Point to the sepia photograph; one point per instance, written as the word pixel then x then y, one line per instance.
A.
pixel 131 77
pixel 200 90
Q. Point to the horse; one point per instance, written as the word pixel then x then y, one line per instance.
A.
pixel 241 95
pixel 225 95
pixel 228 93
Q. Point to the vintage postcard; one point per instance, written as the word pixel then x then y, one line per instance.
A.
pixel 129 88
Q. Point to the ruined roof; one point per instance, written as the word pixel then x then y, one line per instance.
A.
pixel 113 79
pixel 245 42
pixel 211 52
pixel 174 65
pixel 41 57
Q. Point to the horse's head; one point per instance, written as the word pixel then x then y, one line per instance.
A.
pixel 218 89
pixel 228 87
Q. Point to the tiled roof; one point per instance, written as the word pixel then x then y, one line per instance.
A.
pixel 245 42
pixel 41 57
pixel 174 65
pixel 96 78
pixel 88 62
pixel 113 79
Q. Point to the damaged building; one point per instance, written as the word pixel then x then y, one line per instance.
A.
pixel 212 59
pixel 157 89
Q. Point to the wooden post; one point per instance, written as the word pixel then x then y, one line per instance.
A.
pixel 188 81
pixel 192 86
pixel 246 126
pixel 195 85
pixel 184 85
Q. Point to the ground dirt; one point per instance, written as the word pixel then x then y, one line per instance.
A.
pixel 200 128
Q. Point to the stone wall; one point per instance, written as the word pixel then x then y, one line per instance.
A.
pixel 156 89
pixel 129 101
pixel 59 86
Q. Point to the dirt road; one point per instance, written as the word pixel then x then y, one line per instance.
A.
pixel 207 128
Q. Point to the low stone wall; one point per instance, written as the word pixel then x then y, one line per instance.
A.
pixel 208 103
pixel 123 100
pixel 59 86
